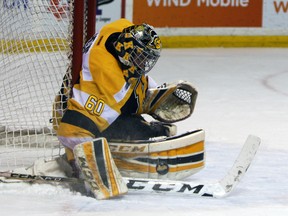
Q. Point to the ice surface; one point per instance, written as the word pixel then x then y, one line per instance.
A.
pixel 241 92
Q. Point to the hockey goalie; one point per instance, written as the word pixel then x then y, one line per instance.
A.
pixel 104 129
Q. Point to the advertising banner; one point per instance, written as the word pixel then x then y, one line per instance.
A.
pixel 275 14
pixel 199 13
pixel 108 11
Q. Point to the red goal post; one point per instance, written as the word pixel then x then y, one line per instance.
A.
pixel 40 43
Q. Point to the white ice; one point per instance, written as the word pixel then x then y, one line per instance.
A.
pixel 241 92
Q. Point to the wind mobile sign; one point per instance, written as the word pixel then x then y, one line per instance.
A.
pixel 200 13
pixel 209 13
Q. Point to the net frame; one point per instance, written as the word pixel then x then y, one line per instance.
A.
pixel 40 43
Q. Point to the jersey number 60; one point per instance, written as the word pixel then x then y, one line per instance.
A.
pixel 94 105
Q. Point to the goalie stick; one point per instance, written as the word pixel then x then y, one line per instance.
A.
pixel 218 189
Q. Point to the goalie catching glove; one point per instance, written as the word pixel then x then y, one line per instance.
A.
pixel 171 102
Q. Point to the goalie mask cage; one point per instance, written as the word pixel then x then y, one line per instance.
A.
pixel 40 43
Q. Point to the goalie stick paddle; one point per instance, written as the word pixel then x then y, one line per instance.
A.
pixel 217 189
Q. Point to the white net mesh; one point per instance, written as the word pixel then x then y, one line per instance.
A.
pixel 34 57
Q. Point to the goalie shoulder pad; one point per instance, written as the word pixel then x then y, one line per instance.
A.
pixel 171 102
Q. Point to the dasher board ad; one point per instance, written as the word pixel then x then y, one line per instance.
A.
pixel 107 11
pixel 275 14
pixel 199 13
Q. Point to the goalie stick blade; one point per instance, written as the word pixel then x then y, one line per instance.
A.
pixel 219 189
pixel 241 165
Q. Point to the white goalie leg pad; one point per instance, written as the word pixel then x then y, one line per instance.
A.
pixel 173 158
pixel 99 170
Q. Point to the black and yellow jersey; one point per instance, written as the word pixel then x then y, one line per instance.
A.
pixel 102 93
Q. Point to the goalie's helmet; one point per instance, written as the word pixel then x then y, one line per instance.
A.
pixel 138 48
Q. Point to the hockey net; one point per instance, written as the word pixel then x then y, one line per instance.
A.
pixel 39 45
